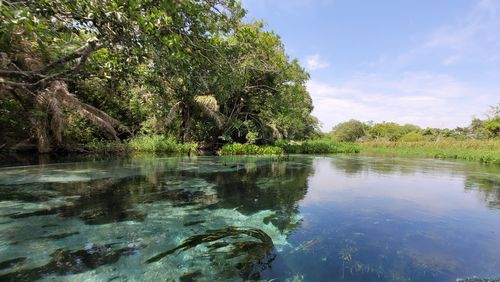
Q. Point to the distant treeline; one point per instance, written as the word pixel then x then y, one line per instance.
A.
pixel 479 129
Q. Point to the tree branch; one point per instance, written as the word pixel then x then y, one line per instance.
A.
pixel 82 52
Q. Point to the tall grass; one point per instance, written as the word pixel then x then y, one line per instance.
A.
pixel 487 151
pixel 249 149
pixel 322 146
pixel 160 144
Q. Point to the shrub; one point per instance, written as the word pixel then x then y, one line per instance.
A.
pixel 349 131
pixel 160 143
pixel 413 136
pixel 249 149
pixel 318 147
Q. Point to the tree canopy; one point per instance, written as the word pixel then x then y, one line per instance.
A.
pixel 81 70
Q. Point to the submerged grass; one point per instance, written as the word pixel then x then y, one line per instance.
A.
pixel 487 151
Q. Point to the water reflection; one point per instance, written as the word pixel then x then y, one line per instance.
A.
pixel 391 219
pixel 345 218
pixel 482 178
pixel 153 204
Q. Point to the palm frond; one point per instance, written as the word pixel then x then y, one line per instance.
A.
pixel 208 104
pixel 57 120
pixel 207 101
pixel 96 116
pixel 172 113
pixel 47 99
pixel 276 133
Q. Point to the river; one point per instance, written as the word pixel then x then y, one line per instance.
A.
pixel 300 218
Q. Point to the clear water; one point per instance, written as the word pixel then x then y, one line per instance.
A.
pixel 341 218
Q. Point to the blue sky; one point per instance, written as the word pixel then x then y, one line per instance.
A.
pixel 426 62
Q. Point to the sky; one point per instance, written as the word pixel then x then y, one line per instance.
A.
pixel 426 62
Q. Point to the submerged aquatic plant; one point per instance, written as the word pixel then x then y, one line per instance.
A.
pixel 66 261
pixel 238 242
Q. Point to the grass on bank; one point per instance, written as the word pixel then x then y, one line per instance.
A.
pixel 487 151
pixel 160 144
pixel 322 146
pixel 286 147
pixel 249 149
pixel 149 144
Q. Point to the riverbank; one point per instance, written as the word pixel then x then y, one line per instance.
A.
pixel 486 151
pixel 322 146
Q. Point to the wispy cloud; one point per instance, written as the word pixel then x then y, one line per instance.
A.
pixel 473 38
pixel 425 99
pixel 315 62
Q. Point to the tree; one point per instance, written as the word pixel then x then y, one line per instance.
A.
pixel 188 68
pixel 349 131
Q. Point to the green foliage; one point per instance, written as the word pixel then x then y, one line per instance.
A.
pixel 390 130
pixel 12 120
pixel 479 150
pixel 82 131
pixel 190 69
pixel 324 146
pixel 348 131
pixel 414 136
pixel 493 127
pixel 249 149
pixel 160 144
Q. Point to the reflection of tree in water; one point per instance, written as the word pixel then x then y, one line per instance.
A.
pixel 354 165
pixel 478 177
pixel 263 185
pixel 488 186
pixel 248 185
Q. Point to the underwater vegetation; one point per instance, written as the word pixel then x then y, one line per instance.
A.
pixel 253 246
pixel 188 207
pixel 67 262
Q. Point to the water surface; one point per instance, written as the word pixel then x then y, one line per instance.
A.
pixel 340 218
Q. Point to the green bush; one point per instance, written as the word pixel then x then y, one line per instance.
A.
pixel 348 131
pixel 249 149
pixel 317 147
pixel 481 150
pixel 413 136
pixel 160 143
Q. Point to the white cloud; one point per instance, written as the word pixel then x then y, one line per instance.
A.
pixel 424 99
pixel 314 62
